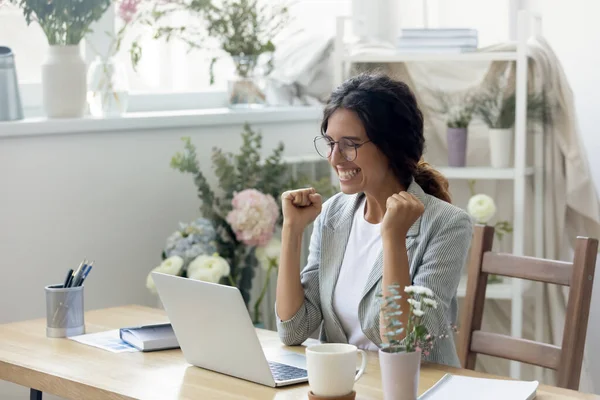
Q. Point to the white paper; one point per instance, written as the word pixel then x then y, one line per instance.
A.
pixel 468 388
pixel 108 340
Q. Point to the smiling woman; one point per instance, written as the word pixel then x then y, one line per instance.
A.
pixel 393 224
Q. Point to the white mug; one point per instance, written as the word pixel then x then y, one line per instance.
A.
pixel 332 368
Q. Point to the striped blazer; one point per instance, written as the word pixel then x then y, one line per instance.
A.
pixel 437 244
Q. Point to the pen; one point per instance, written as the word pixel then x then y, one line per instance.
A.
pixel 68 277
pixel 85 274
pixel 77 273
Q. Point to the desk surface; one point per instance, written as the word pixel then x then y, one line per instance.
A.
pixel 76 371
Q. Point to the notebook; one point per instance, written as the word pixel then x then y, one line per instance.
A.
pixel 150 337
pixel 469 388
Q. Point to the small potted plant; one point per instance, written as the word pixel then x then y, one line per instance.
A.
pixel 496 107
pixel 458 109
pixel 243 30
pixel 400 356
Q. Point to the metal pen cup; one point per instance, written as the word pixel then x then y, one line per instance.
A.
pixel 64 311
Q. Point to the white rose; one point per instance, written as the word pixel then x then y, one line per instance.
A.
pixel 269 253
pixel 208 268
pixel 482 208
pixel 171 266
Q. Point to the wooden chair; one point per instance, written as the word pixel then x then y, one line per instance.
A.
pixel 578 275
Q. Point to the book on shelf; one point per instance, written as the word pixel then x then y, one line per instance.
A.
pixel 439 33
pixel 470 388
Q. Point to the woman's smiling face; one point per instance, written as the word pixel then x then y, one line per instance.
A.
pixel 360 169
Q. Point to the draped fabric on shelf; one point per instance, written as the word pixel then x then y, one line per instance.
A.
pixel 571 205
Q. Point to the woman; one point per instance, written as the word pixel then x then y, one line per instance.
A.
pixel 392 224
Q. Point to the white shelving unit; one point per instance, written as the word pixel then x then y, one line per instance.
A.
pixel 512 289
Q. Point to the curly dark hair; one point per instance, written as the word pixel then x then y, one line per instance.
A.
pixel 393 121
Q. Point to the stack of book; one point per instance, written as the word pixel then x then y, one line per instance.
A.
pixel 447 40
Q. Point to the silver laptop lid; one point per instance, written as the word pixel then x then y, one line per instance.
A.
pixel 213 327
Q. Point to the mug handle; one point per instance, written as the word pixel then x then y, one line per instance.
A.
pixel 363 364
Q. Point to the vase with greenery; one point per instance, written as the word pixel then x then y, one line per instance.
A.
pixel 237 230
pixel 108 82
pixel 496 106
pixel 65 23
pixel 243 30
pixel 457 109
pixel 400 353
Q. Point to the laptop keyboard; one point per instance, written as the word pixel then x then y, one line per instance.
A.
pixel 282 372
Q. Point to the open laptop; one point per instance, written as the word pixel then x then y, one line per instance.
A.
pixel 215 332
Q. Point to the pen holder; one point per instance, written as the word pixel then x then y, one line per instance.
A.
pixel 64 311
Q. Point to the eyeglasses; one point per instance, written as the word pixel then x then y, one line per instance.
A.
pixel 347 147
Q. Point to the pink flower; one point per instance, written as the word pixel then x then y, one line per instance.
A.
pixel 253 217
pixel 426 353
pixel 127 9
pixel 417 348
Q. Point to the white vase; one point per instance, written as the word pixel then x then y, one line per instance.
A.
pixel 400 374
pixel 501 147
pixel 64 83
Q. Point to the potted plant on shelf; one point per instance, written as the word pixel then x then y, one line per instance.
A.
pixel 496 107
pixel 240 29
pixel 458 110
pixel 64 23
pixel 400 355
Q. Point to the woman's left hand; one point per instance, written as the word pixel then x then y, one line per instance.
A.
pixel 402 210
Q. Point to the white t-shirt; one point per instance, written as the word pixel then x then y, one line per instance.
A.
pixel 364 245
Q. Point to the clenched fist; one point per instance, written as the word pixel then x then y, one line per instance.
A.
pixel 300 208
pixel 402 210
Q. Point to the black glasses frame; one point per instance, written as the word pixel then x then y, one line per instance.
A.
pixel 332 144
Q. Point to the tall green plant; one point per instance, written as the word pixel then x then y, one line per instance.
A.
pixel 64 22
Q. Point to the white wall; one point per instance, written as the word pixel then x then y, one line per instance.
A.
pixel 111 197
pixel 573 31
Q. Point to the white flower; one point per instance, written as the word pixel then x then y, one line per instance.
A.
pixel 418 313
pixel 171 266
pixel 416 304
pixel 208 268
pixel 269 253
pixel 482 208
pixel 415 289
pixel 431 303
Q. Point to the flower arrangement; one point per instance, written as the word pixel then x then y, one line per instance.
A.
pixel 238 229
pixel 482 209
pixel 64 22
pixel 458 107
pixel 242 29
pixel 417 337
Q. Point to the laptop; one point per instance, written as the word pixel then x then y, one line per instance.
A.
pixel 215 332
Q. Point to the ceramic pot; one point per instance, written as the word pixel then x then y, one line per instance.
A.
pixel 400 374
pixel 501 147
pixel 64 83
pixel 457 147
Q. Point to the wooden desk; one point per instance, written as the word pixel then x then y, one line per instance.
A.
pixel 76 371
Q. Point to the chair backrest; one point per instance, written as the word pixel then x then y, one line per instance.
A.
pixel 566 360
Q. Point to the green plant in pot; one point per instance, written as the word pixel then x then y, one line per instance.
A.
pixel 458 109
pixel 243 30
pixel 400 353
pixel 496 106
pixel 64 23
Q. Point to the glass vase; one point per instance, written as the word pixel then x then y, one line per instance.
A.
pixel 244 88
pixel 108 87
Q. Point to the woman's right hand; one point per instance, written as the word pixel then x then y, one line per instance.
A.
pixel 300 208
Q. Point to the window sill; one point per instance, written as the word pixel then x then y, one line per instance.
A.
pixel 158 120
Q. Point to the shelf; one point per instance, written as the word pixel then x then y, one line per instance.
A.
pixel 389 57
pixel 481 172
